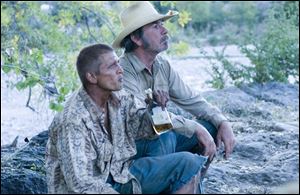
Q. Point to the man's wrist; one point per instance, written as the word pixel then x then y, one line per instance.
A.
pixel 222 123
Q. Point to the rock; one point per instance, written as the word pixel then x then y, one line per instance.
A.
pixel 22 170
pixel 278 93
pixel 289 188
pixel 280 127
pixel 12 145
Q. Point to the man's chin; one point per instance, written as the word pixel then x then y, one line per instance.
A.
pixel 165 46
pixel 118 88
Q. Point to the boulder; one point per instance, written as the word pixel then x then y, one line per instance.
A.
pixel 22 169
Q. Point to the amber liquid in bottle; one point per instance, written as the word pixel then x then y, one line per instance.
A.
pixel 161 121
pixel 159 129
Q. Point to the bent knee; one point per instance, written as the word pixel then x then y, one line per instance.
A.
pixel 190 160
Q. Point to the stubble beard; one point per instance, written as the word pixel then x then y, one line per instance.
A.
pixel 147 46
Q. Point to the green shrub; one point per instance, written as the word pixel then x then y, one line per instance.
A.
pixel 275 54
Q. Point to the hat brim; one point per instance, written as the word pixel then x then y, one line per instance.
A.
pixel 135 26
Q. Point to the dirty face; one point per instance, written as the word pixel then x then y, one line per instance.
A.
pixel 110 77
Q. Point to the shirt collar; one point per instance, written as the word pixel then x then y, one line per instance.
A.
pixel 138 65
pixel 92 107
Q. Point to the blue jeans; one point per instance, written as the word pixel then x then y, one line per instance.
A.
pixel 121 188
pixel 167 173
pixel 162 166
pixel 163 174
pixel 171 142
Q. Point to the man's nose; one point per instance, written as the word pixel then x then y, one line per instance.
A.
pixel 120 69
pixel 164 30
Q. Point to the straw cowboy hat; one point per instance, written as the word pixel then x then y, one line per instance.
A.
pixel 136 16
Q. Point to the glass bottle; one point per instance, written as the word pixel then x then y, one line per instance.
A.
pixel 161 121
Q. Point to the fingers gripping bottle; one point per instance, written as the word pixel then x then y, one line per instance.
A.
pixel 160 118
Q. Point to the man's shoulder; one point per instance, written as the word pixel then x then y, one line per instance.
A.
pixel 163 60
pixel 127 98
pixel 123 95
pixel 124 61
pixel 73 109
pixel 164 64
pixel 74 105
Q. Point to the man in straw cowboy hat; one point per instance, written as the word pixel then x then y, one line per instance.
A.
pixel 91 144
pixel 144 37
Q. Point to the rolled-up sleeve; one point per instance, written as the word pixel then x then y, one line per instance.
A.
pixel 191 101
pixel 183 126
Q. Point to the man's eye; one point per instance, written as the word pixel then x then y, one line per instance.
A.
pixel 110 66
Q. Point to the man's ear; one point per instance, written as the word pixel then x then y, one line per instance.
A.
pixel 136 40
pixel 91 77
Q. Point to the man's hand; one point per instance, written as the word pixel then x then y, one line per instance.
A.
pixel 206 142
pixel 225 135
pixel 161 97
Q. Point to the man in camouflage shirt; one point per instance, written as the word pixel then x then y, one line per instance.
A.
pixel 91 146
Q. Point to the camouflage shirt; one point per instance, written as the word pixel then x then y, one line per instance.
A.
pixel 80 153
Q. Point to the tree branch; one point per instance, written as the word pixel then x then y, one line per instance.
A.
pixel 88 27
pixel 28 100
pixel 104 19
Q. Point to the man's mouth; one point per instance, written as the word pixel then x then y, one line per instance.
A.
pixel 164 39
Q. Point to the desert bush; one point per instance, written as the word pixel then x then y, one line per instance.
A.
pixel 274 54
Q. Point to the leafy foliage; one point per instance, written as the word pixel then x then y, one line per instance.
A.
pixel 41 40
pixel 224 71
pixel 274 54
